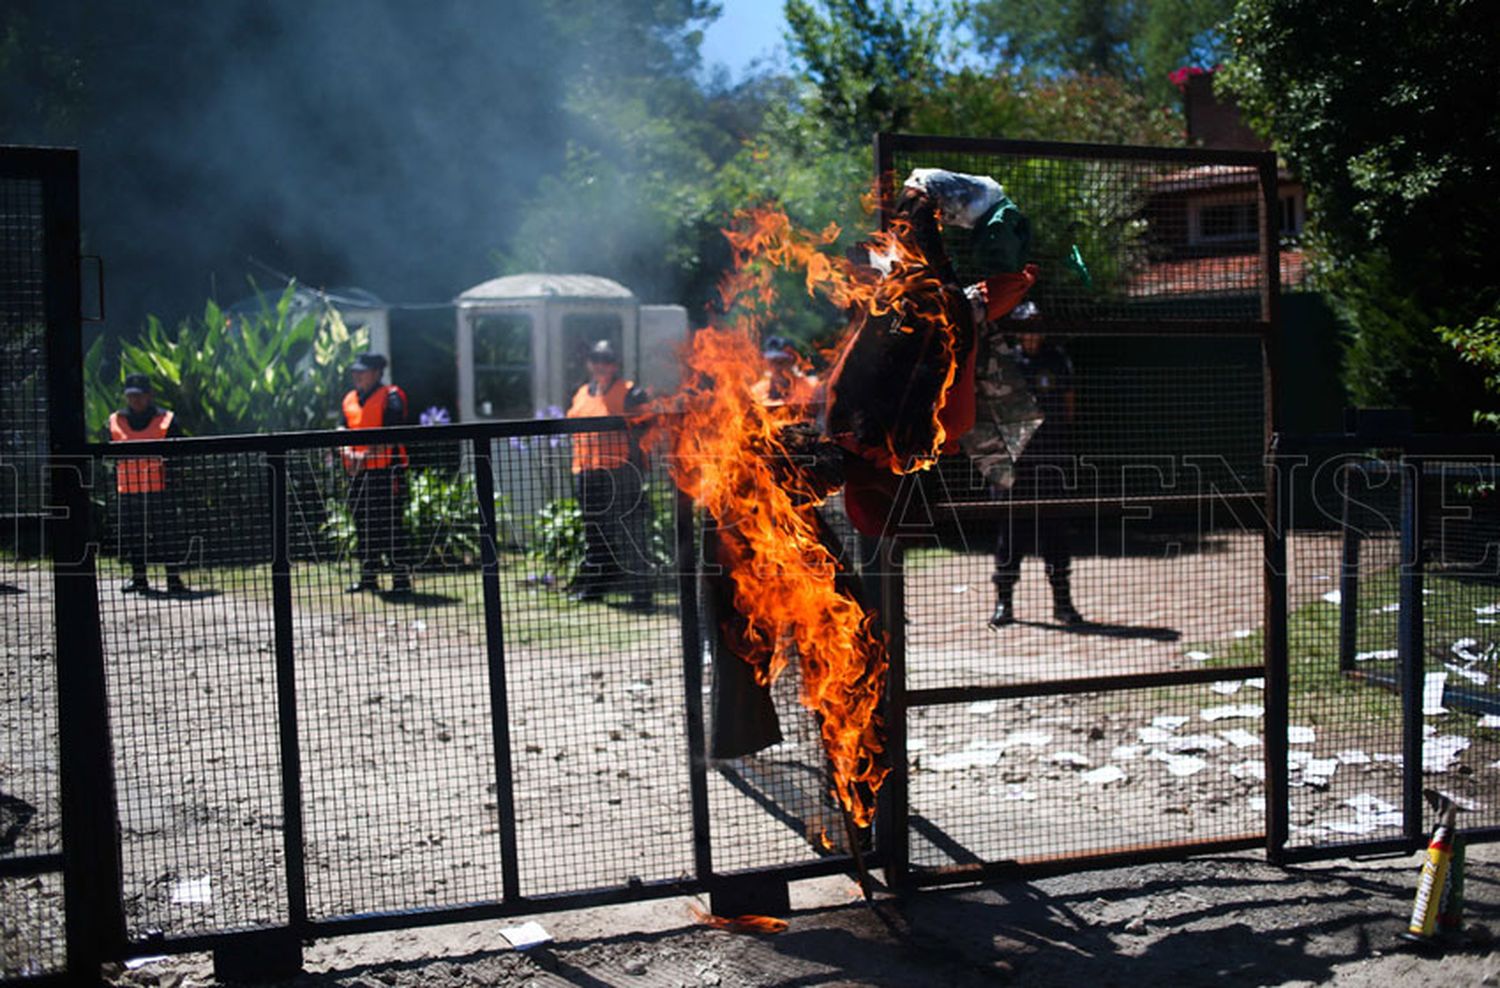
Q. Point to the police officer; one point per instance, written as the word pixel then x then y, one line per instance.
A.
pixel 377 477
pixel 607 481
pixel 141 486
pixel 1039 474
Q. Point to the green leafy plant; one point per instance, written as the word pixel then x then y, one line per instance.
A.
pixel 442 523
pixel 283 367
pixel 559 545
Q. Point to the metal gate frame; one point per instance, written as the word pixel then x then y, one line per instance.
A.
pixel 896 847
pixel 1409 451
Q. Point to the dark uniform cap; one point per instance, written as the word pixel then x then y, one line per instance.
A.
pixel 603 352
pixel 368 362
pixel 137 384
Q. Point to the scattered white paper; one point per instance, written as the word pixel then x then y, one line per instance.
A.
pixel 637 687
pixel 1070 758
pixel 1125 753
pixel 1029 739
pixel 527 935
pixel 1439 754
pixel 1169 723
pixel 1432 694
pixel 1240 738
pixel 419 625
pixel 1020 793
pixel 193 891
pixel 1241 633
pixel 1184 765
pixel 1197 656
pixel 1104 776
pixel 1258 683
pixel 131 963
pixel 1232 712
pixel 1355 827
pixel 1472 675
pixel 916 744
pixel 1387 609
pixel 1462 648
pixel 1226 688
pixel 1333 597
pixel 1248 770
pixel 984 707
pixel 1461 802
pixel 1317 771
pixel 1297 758
pixel 1300 735
pixel 953 761
pixel 1257 804
pixel 1152 735
pixel 1353 757
pixel 1381 756
pixel 1379 653
pixel 1191 743
pixel 1365 804
pixel 1488 609
pixel 961 588
pixel 1490 720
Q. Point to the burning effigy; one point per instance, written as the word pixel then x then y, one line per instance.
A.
pixel 911 378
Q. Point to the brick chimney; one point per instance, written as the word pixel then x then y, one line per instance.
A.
pixel 1213 122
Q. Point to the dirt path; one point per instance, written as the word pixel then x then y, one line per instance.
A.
pixel 1232 921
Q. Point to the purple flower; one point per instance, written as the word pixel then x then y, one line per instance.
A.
pixel 436 416
pixel 550 412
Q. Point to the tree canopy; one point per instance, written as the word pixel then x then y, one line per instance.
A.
pixel 1399 147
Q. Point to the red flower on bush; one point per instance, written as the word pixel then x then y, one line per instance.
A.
pixel 1180 77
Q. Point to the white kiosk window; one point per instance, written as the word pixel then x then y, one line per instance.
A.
pixel 502 366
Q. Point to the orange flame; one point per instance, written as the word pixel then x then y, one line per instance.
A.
pixel 749 923
pixel 722 448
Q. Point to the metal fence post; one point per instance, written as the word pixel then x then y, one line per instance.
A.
pixel 1348 574
pixel 1409 648
pixel 286 697
pixel 494 645
pixel 895 810
pixel 1277 671
pixel 94 917
pixel 692 685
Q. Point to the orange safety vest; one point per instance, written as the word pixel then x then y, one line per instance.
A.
pixel 370 414
pixel 600 450
pixel 139 474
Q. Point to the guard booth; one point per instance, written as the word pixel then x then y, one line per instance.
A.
pixel 522 340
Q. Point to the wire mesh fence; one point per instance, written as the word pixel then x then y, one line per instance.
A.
pixel 403 777
pixel 1344 727
pixel 1065 777
pixel 1126 542
pixel 1117 237
pixel 1360 704
pixel 30 819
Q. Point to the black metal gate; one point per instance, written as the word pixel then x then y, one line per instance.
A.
pixel 1391 583
pixel 1147 730
pixel 40 791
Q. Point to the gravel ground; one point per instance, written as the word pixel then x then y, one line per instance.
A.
pixel 1215 921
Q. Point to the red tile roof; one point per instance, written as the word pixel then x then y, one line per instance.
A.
pixel 1235 274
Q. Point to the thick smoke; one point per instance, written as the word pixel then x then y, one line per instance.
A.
pixel 380 144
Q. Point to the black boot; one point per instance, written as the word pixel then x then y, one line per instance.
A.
pixel 1063 611
pixel 1005 608
pixel 367 583
pixel 401 583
